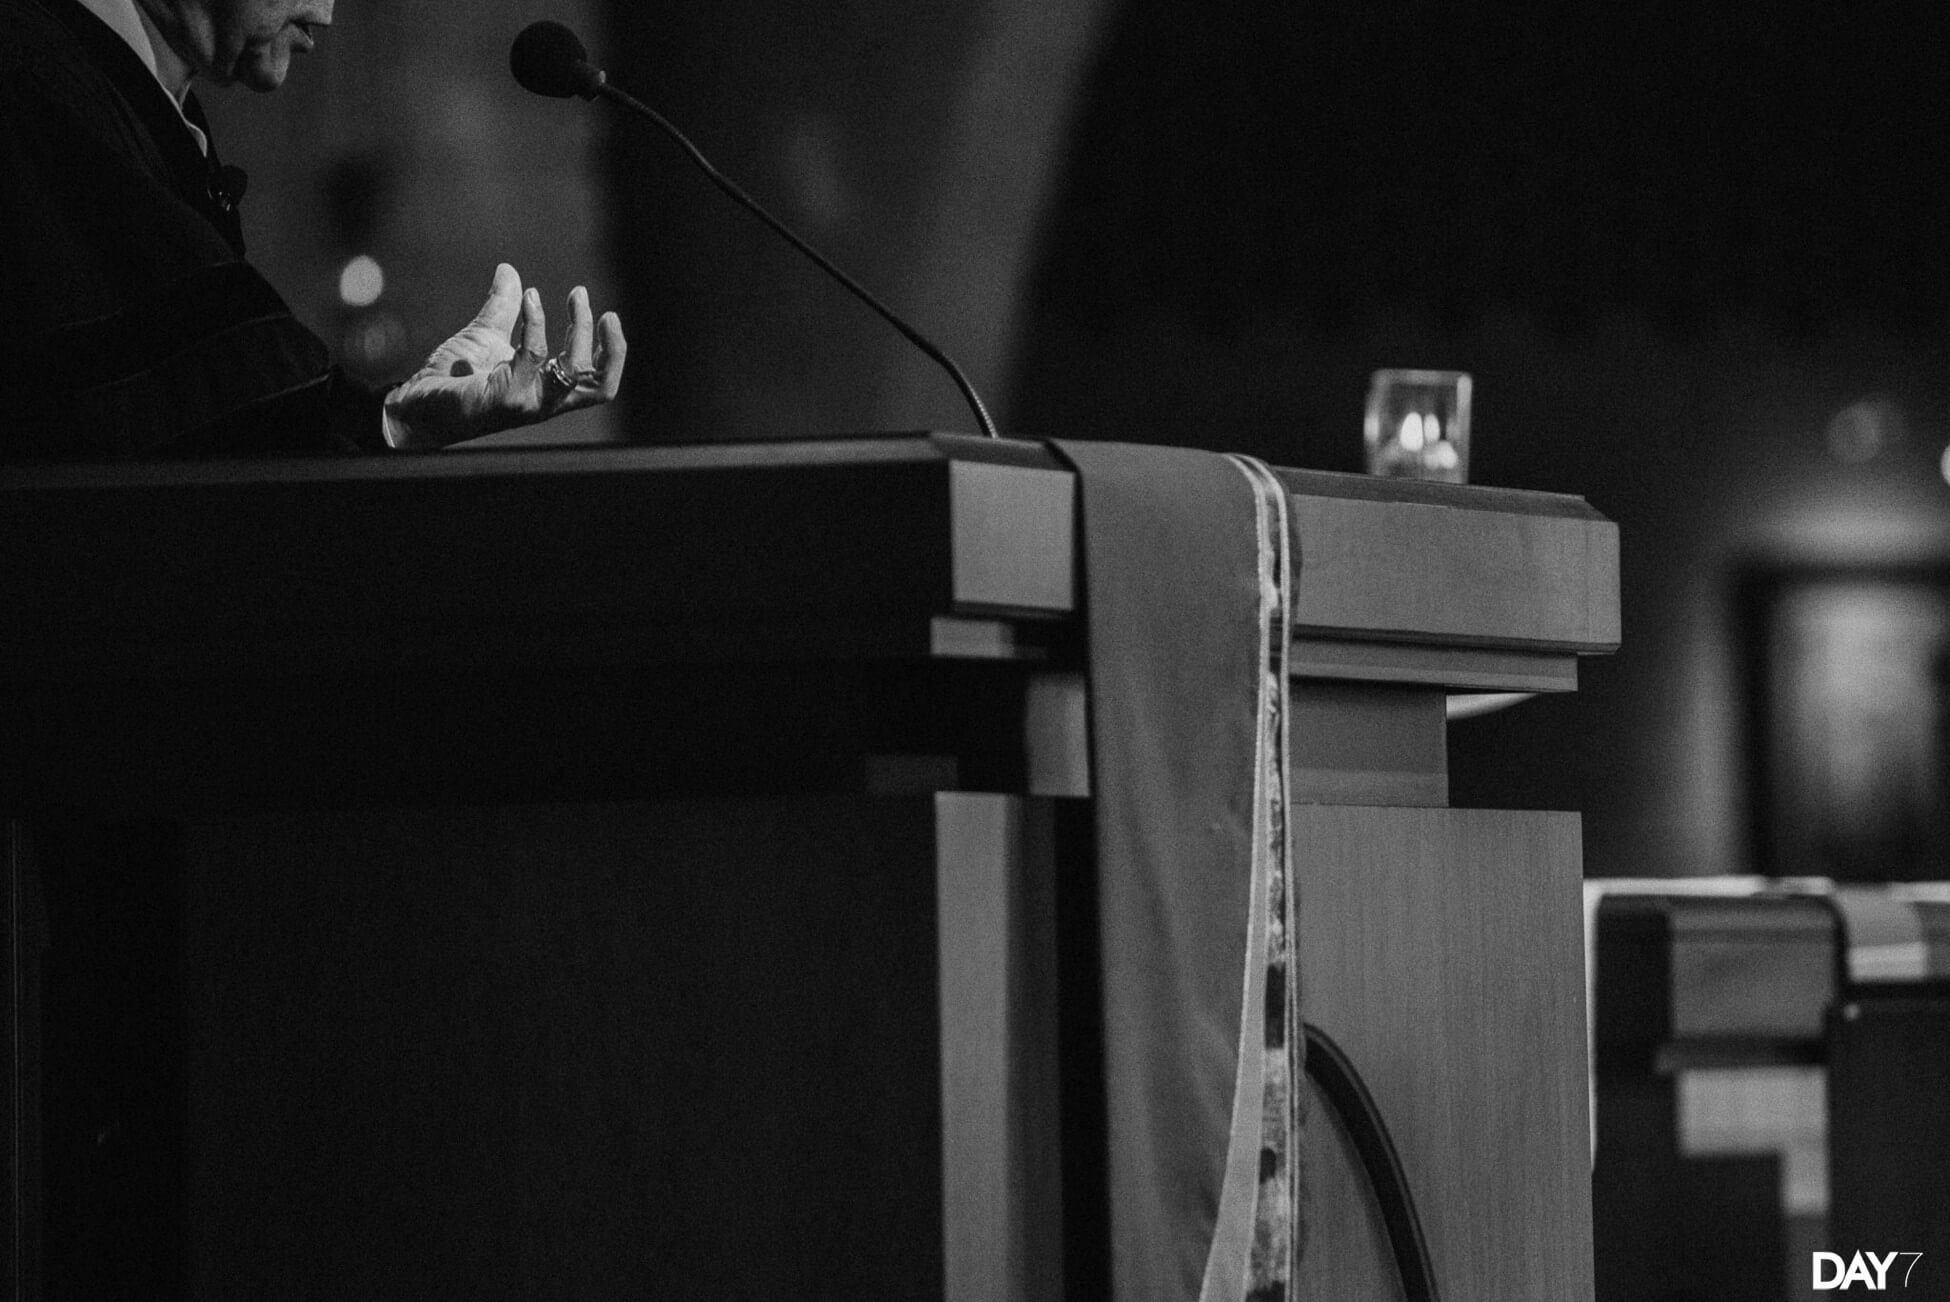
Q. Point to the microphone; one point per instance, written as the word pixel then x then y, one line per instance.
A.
pixel 548 59
pixel 227 186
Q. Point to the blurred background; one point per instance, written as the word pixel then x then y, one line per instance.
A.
pixel 1694 256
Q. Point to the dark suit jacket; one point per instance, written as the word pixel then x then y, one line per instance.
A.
pixel 122 273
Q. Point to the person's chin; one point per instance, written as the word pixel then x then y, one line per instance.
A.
pixel 263 69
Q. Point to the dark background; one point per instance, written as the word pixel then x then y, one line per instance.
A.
pixel 1693 256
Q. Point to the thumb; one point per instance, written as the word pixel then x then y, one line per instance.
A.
pixel 503 302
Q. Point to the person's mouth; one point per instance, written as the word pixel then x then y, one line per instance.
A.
pixel 307 34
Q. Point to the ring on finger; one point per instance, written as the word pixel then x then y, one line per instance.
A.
pixel 557 379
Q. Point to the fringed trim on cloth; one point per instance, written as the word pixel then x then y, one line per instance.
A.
pixel 1255 1243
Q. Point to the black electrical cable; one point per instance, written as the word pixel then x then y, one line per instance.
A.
pixel 549 59
pixel 1334 1073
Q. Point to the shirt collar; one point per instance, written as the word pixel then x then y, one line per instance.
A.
pixel 125 22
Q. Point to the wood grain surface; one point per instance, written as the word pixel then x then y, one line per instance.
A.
pixel 1455 576
pixel 1442 949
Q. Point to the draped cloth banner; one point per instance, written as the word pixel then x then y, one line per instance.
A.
pixel 1186 564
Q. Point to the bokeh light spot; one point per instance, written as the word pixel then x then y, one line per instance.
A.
pixel 361 282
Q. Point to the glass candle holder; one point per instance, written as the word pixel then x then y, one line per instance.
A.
pixel 1418 425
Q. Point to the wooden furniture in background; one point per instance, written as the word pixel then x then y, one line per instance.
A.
pixel 1770 1071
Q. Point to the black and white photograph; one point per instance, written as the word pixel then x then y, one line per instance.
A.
pixel 974 650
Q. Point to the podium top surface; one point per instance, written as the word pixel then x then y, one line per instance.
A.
pixel 721 539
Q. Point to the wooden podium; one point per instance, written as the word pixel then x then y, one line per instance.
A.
pixel 666 872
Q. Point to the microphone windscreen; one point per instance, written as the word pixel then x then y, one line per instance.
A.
pixel 548 59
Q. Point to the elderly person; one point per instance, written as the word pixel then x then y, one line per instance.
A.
pixel 122 262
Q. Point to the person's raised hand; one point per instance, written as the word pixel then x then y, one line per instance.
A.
pixel 497 372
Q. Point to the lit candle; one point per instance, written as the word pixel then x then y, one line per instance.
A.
pixel 1411 434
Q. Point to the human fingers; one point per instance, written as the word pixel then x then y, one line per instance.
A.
pixel 530 338
pixel 503 306
pixel 611 353
pixel 580 348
